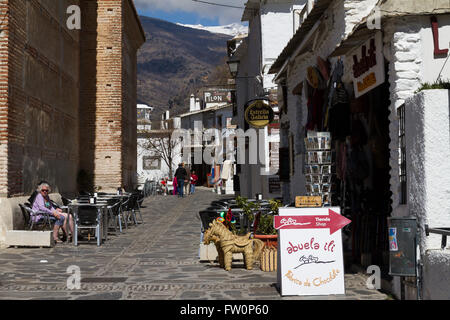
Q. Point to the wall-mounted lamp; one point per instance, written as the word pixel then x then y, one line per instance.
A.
pixel 234 66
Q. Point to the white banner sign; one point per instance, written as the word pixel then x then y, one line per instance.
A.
pixel 310 251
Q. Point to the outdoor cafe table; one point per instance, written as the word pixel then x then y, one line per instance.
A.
pixel 102 207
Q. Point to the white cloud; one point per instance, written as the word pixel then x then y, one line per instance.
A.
pixel 223 14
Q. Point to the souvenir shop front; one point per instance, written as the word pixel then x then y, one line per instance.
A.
pixel 347 146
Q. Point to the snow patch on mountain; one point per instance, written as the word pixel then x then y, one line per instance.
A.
pixel 233 29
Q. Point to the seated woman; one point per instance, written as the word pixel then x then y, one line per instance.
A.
pixel 42 203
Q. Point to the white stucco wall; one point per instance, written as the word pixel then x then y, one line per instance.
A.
pixel 428 150
pixel 431 66
pixel 143 175
pixel 269 33
pixel 409 48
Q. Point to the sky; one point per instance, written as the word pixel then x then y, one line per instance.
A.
pixel 191 12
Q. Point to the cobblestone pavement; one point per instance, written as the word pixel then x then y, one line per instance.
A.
pixel 154 260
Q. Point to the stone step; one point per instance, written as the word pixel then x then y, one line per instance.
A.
pixel 22 238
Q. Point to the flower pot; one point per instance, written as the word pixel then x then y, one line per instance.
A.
pixel 270 240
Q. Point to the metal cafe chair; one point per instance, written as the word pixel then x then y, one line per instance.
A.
pixel 114 213
pixel 123 210
pixel 87 217
pixel 137 207
pixel 130 209
pixel 28 214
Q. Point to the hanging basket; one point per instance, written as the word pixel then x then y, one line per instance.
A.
pixel 268 260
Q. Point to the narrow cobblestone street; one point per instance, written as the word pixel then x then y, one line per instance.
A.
pixel 154 260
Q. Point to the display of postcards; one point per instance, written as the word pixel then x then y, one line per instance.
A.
pixel 316 178
pixel 326 187
pixel 307 144
pixel 326 198
pixel 311 143
pixel 324 143
pixel 324 156
pixel 326 169
pixel 308 178
pixel 316 188
pixel 315 169
pixel 308 169
pixel 326 178
pixel 309 188
pixel 315 143
pixel 313 157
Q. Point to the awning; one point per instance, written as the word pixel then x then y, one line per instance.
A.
pixel 357 38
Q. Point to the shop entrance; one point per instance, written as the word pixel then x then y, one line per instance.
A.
pixel 361 136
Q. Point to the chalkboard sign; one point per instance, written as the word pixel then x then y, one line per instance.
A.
pixel 402 246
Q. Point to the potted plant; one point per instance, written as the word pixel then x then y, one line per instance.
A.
pixel 248 208
pixel 264 229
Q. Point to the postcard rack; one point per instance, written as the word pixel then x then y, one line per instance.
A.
pixel 319 165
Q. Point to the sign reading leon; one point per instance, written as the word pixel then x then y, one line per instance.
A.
pixel 258 113
pixel 310 251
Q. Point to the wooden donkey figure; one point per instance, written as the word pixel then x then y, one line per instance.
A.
pixel 228 243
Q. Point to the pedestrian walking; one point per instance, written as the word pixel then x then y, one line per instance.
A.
pixel 181 176
pixel 187 186
pixel 194 180
pixel 175 186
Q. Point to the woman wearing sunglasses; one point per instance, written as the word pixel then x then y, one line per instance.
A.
pixel 42 203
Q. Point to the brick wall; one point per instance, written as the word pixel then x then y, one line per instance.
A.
pixel 133 38
pixel 108 117
pixel 4 98
pixel 67 98
pixel 40 97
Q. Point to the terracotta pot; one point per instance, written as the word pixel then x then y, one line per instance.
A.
pixel 270 240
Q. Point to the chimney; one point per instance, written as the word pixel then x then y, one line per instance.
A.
pixel 197 104
pixel 192 103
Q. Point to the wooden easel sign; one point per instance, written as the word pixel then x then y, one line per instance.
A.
pixel 310 251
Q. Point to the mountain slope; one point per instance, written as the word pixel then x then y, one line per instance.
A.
pixel 174 62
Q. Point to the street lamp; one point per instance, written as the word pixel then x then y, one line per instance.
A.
pixel 233 65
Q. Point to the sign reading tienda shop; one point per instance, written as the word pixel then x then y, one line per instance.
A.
pixel 258 113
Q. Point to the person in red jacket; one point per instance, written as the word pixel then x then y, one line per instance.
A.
pixel 194 180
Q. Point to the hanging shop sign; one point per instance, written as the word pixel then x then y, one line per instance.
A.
pixel 259 113
pixel 217 96
pixel 368 66
pixel 310 251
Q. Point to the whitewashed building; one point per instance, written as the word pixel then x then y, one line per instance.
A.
pixel 271 25
pixel 353 68
pixel 211 109
pixel 151 164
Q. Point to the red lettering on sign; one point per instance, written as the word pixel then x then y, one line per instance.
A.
pixel 435 28
pixel 368 60
pixel 303 246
